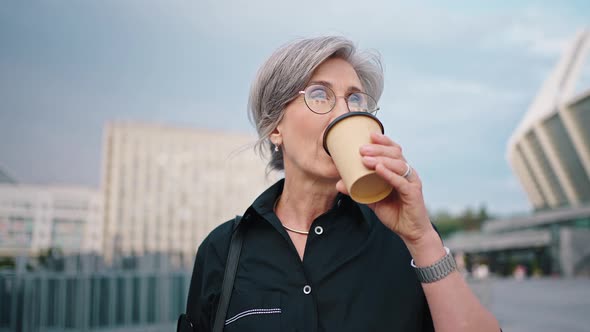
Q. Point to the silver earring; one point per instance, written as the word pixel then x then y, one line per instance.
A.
pixel 276 148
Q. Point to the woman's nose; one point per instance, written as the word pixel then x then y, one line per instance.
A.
pixel 340 107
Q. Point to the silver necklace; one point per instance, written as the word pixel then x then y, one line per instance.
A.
pixel 274 208
pixel 295 231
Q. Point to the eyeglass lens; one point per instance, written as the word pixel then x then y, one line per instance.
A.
pixel 321 99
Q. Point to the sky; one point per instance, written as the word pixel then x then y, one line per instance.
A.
pixel 459 76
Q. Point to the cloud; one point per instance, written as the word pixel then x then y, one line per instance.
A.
pixel 471 90
pixel 458 79
pixel 502 196
pixel 543 32
pixel 435 101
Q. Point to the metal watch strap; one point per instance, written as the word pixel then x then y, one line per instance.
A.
pixel 436 271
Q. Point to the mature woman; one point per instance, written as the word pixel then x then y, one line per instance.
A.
pixel 313 259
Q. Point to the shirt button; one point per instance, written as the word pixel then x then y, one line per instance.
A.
pixel 318 230
pixel 307 290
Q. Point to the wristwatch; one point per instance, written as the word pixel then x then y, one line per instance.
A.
pixel 436 271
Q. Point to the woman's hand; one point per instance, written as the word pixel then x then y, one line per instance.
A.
pixel 404 210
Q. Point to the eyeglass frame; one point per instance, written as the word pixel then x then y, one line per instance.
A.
pixel 302 92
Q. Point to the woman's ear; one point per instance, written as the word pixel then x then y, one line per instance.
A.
pixel 275 136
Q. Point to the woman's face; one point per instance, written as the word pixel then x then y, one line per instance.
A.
pixel 301 130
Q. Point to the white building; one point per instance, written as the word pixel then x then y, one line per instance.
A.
pixel 550 149
pixel 36 218
pixel 166 188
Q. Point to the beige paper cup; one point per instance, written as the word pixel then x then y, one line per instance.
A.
pixel 342 141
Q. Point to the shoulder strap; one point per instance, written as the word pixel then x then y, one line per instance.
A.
pixel 229 276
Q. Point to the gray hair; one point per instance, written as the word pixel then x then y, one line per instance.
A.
pixel 287 72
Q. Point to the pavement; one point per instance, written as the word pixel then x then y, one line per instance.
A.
pixel 541 305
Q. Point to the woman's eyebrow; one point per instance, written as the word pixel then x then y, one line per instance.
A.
pixel 329 85
pixel 326 83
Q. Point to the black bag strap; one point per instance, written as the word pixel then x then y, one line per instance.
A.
pixel 229 276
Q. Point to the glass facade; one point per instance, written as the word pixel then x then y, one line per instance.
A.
pixel 581 114
pixel 16 231
pixel 568 157
pixel 529 175
pixel 34 219
pixel 67 233
pixel 550 176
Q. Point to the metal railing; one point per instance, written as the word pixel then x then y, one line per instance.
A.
pixel 146 298
pixel 103 301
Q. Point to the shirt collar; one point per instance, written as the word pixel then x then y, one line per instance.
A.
pixel 266 201
pixel 264 204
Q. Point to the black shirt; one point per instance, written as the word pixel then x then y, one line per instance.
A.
pixel 355 275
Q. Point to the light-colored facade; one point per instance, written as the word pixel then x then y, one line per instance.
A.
pixel 549 153
pixel 550 150
pixel 36 218
pixel 165 188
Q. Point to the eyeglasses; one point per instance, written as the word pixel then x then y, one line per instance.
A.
pixel 320 99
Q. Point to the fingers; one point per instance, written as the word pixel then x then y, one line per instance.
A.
pixel 382 139
pixel 382 146
pixel 400 183
pixel 383 151
pixel 396 165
